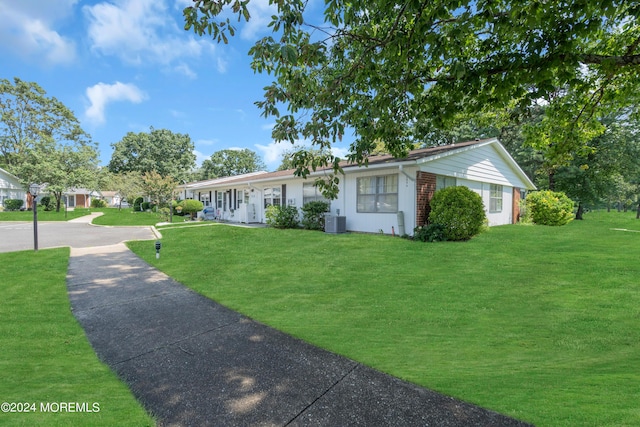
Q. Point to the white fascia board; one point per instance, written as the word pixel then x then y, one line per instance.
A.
pixel 456 151
pixel 501 150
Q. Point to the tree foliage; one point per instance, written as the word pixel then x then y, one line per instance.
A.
pixel 126 185
pixel 378 67
pixel 159 150
pixel 231 162
pixel 30 120
pixel 160 189
pixel 41 140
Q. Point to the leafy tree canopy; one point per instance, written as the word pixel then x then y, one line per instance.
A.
pixel 159 150
pixel 160 189
pixel 31 120
pixel 231 162
pixel 41 140
pixel 379 67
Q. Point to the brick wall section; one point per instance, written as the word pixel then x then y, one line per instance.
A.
pixel 515 213
pixel 425 187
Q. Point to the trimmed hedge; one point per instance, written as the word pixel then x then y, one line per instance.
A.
pixel 282 216
pixel 549 208
pixel 313 215
pixel 459 211
pixel 13 204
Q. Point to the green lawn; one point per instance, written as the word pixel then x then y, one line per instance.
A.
pixel 44 215
pixel 113 216
pixel 539 323
pixel 46 357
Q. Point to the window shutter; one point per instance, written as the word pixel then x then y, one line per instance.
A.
pixel 284 194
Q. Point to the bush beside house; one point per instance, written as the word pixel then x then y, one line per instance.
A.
pixel 459 211
pixel 313 214
pixel 282 216
pixel 13 204
pixel 191 206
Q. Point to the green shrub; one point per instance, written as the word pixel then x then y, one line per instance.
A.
pixel 282 216
pixel 549 208
pixel 98 203
pixel 191 206
pixel 137 203
pixel 459 211
pixel 13 204
pixel 176 205
pixel 429 233
pixel 48 203
pixel 313 215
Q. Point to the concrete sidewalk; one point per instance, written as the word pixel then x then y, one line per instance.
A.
pixel 193 362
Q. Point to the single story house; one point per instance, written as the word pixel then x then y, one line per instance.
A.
pixel 79 197
pixel 389 195
pixel 112 198
pixel 11 188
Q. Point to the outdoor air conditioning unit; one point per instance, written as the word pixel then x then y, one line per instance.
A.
pixel 335 224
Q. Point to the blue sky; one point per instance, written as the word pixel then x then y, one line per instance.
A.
pixel 125 65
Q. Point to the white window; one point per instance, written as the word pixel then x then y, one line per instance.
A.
pixel 272 196
pixel 311 193
pixel 378 194
pixel 495 198
pixel 444 182
pixel 204 198
pixel 220 200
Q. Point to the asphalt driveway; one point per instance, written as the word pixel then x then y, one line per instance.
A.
pixel 78 233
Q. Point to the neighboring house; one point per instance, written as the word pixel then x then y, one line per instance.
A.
pixel 390 195
pixel 11 188
pixel 112 198
pixel 79 197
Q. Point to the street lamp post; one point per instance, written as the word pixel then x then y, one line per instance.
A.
pixel 34 189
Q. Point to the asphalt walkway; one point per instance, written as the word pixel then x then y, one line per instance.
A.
pixel 193 362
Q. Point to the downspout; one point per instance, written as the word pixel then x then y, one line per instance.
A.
pixel 414 197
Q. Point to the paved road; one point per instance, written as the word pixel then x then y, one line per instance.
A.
pixel 78 233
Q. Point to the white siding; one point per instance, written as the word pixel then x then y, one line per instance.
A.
pixel 483 164
pixel 374 222
pixel 10 187
pixel 484 190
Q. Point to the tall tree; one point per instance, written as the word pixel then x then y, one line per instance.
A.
pixel 41 140
pixel 231 162
pixel 609 169
pixel 127 185
pixel 289 156
pixel 160 189
pixel 159 150
pixel 30 120
pixel 376 66
pixel 60 167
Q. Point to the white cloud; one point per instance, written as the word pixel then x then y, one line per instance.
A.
pixel 102 94
pixel 140 31
pixel 206 142
pixel 261 12
pixel 272 153
pixel 340 152
pixel 28 28
pixel 186 70
pixel 200 157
